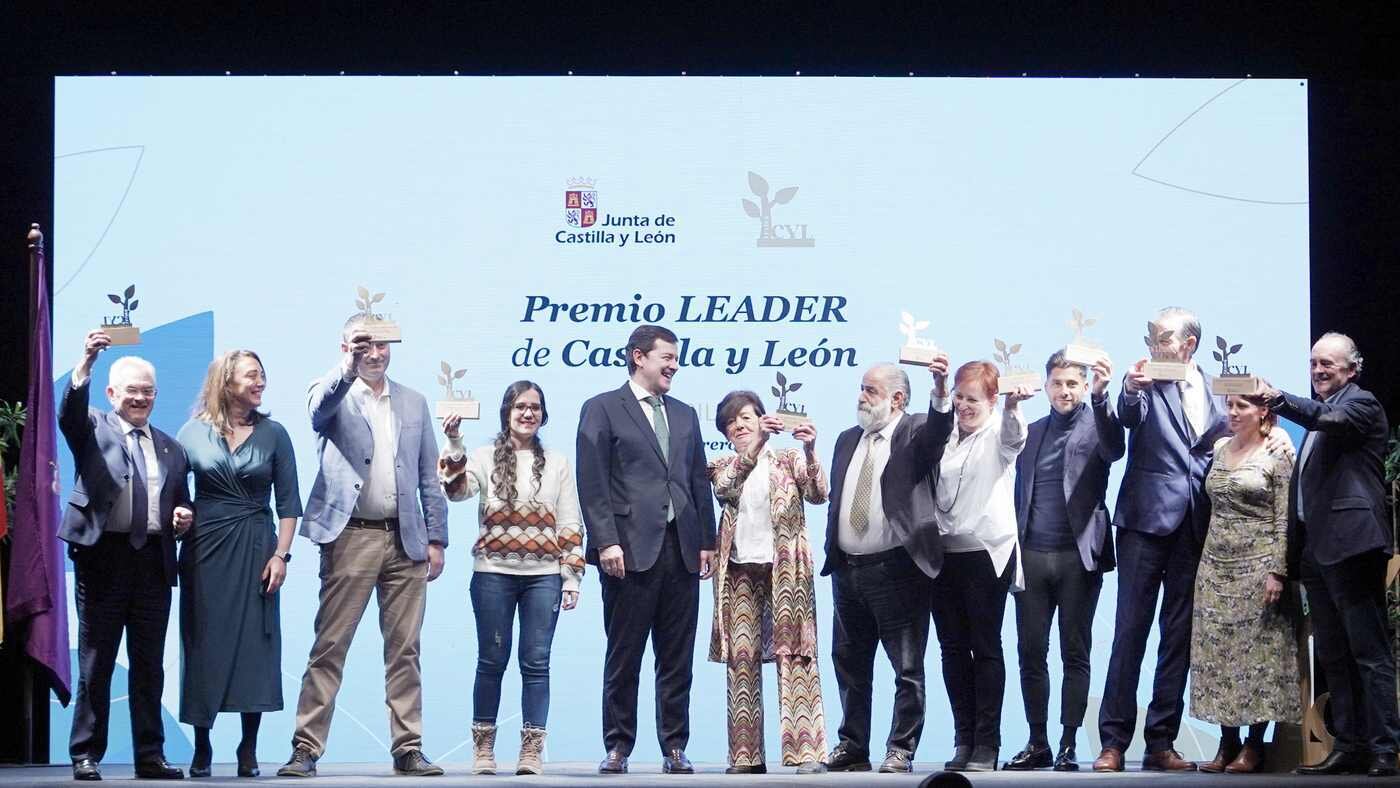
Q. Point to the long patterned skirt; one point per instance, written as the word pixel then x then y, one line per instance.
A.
pixel 803 725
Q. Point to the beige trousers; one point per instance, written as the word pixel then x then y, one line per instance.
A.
pixel 358 562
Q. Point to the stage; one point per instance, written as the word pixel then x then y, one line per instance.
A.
pixel 649 774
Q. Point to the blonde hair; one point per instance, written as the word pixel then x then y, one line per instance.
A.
pixel 212 406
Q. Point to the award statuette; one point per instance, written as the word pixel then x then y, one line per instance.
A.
pixel 1163 365
pixel 381 328
pixel 792 414
pixel 1081 349
pixel 1234 378
pixel 457 402
pixel 916 352
pixel 120 328
pixel 1013 375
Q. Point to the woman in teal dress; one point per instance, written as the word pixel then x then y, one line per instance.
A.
pixel 233 562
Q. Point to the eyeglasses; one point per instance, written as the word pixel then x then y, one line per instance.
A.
pixel 139 391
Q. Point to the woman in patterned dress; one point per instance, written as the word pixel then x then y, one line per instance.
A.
pixel 1244 668
pixel 764 605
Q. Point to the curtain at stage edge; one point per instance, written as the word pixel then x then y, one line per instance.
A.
pixel 36 607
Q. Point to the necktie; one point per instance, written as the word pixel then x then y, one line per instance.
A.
pixel 140 503
pixel 1303 455
pixel 860 502
pixel 1184 391
pixel 663 437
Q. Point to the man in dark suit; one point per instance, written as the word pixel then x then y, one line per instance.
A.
pixel 882 551
pixel 130 500
pixel 647 507
pixel 1061 479
pixel 1339 537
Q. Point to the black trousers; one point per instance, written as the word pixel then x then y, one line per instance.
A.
pixel 880 600
pixel 663 604
pixel 1056 580
pixel 1147 563
pixel 119 589
pixel 1347 606
pixel 969 602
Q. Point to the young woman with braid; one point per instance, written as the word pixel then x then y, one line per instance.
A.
pixel 528 557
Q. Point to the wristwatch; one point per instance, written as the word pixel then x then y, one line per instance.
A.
pixel 286 557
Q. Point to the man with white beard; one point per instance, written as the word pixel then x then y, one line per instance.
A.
pixel 882 551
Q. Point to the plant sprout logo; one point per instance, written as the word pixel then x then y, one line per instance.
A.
pixel 1079 322
pixel 782 390
pixel 1158 342
pixel 365 303
pixel 447 377
pixel 1004 354
pixel 910 328
pixel 770 234
pixel 1223 356
pixel 127 302
pixel 580 203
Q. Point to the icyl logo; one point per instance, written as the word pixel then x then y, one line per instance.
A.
pixel 580 203
pixel 770 234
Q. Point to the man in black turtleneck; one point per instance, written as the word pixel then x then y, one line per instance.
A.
pixel 1066 543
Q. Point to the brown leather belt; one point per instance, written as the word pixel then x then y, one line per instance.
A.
pixel 390 524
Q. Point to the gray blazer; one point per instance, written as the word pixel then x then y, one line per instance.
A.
pixel 345 445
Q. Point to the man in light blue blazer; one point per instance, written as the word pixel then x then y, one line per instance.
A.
pixel 380 518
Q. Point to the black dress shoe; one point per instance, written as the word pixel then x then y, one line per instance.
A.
pixel 247 761
pixel 846 758
pixel 158 769
pixel 1383 765
pixel 415 764
pixel 301 764
pixel 757 768
pixel 961 754
pixel 614 763
pixel 675 762
pixel 897 761
pixel 984 759
pixel 1033 757
pixel 1066 760
pixel 200 762
pixel 86 769
pixel 1337 762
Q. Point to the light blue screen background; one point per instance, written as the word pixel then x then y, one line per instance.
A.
pixel 247 210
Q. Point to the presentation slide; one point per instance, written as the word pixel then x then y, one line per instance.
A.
pixel 791 231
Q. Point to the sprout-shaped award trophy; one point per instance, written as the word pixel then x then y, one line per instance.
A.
pixel 381 327
pixel 1081 349
pixel 119 328
pixel 456 401
pixel 1234 378
pixel 792 414
pixel 1013 375
pixel 916 351
pixel 1163 365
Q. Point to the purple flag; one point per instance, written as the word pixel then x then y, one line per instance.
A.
pixel 38 598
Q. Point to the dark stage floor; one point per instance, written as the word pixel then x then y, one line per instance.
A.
pixel 648 774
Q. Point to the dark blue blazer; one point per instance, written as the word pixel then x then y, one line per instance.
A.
pixel 624 482
pixel 104 469
pixel 1164 483
pixel 1343 481
pixel 1095 442
pixel 906 488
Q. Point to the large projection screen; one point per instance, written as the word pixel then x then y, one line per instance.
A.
pixel 781 226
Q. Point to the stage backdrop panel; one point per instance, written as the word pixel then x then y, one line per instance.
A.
pixel 521 227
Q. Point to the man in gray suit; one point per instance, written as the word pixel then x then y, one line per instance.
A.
pixel 380 518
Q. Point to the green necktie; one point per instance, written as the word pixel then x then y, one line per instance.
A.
pixel 663 437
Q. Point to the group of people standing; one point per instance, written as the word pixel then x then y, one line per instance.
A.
pixel 933 516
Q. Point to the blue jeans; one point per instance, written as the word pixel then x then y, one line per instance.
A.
pixel 495 597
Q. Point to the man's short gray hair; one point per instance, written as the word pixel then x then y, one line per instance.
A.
pixel 1354 358
pixel 126 366
pixel 1190 324
pixel 894 379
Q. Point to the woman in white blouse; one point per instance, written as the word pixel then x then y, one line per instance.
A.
pixel 976 514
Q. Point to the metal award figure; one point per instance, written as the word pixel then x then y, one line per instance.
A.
pixel 1163 365
pixel 1081 349
pixel 456 402
pixel 381 327
pixel 1013 375
pixel 916 351
pixel 1234 378
pixel 120 329
pixel 792 414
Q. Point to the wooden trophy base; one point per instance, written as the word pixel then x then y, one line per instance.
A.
pixel 917 355
pixel 468 409
pixel 123 335
pixel 1243 385
pixel 1088 355
pixel 383 331
pixel 791 421
pixel 1165 370
pixel 1009 383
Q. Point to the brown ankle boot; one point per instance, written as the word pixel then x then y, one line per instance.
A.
pixel 531 748
pixel 483 748
pixel 1223 757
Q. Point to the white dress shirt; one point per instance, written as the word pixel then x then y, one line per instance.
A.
pixel 878 536
pixel 641 394
pixel 753 528
pixel 1193 399
pixel 121 522
pixel 975 501
pixel 379 498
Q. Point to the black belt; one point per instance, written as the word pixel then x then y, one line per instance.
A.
pixel 388 524
pixel 876 558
